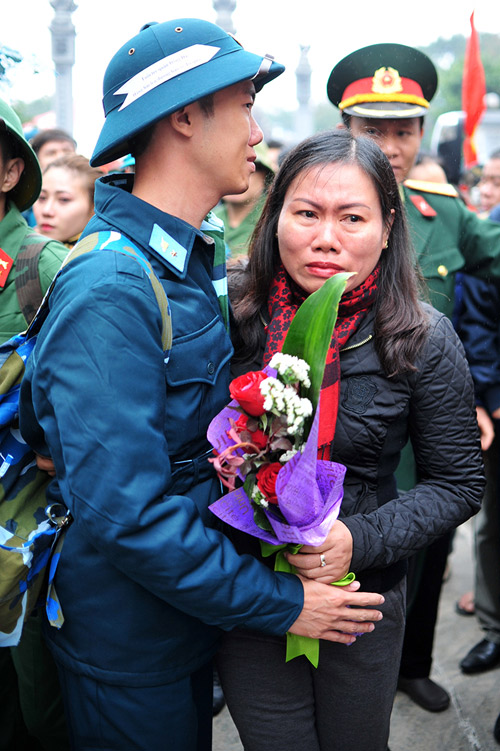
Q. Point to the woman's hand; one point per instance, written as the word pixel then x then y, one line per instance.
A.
pixel 486 428
pixel 337 613
pixel 46 464
pixel 496 413
pixel 335 554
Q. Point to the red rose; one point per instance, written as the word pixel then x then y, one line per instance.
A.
pixel 257 436
pixel 241 423
pixel 266 480
pixel 245 390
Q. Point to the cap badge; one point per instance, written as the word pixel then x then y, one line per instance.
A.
pixel 386 81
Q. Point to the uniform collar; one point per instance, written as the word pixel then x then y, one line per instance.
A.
pixel 12 230
pixel 159 234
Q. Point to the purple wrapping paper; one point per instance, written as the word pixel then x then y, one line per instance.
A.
pixel 309 491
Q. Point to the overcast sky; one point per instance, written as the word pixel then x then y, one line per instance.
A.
pixel 332 28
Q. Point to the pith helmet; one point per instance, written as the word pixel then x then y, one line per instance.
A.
pixel 165 67
pixel 28 188
pixel 383 81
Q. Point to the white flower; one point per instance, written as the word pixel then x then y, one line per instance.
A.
pixel 284 458
pixel 284 400
pixel 291 369
pixel 259 498
pixel 273 391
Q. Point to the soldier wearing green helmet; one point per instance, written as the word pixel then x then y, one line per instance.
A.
pixel 28 263
pixel 20 181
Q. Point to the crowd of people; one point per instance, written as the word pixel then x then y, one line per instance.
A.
pixel 156 593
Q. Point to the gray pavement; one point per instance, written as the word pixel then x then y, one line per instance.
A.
pixel 475 700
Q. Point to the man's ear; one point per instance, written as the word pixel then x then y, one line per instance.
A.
pixel 13 170
pixel 341 126
pixel 182 120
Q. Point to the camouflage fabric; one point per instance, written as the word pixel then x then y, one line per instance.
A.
pixel 26 534
pixel 214 228
pixel 31 533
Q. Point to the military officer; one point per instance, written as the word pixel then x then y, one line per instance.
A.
pixel 384 92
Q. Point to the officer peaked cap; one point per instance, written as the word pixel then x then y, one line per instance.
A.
pixel 383 81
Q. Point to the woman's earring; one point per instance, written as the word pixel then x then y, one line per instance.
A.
pixel 386 245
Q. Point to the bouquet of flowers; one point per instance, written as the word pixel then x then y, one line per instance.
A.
pixel 266 446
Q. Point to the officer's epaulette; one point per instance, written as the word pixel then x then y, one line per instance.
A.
pixel 440 189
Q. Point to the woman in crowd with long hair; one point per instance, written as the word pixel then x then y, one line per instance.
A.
pixel 395 370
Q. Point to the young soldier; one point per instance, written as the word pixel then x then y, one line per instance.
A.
pixel 28 263
pixel 383 92
pixel 21 279
pixel 144 580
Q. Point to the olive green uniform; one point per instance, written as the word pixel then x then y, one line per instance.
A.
pixel 450 240
pixel 448 237
pixel 36 672
pixel 238 238
pixel 13 230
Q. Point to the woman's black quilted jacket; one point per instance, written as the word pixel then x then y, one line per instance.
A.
pixel 434 408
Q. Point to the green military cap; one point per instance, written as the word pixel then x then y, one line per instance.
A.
pixel 383 81
pixel 27 190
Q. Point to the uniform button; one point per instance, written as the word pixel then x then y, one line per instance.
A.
pixel 210 368
pixel 442 270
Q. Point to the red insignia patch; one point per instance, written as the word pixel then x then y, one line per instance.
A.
pixel 421 205
pixel 6 263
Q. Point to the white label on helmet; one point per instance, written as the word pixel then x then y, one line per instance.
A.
pixel 165 69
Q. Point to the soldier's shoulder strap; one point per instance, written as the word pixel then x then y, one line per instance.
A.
pixel 438 189
pixel 420 191
pixel 115 241
pixel 28 287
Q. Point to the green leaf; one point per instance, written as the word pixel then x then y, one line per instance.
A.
pixel 249 484
pixel 311 330
pixel 260 518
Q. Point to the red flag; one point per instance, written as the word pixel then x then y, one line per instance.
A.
pixel 473 92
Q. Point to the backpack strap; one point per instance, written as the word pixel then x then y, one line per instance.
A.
pixel 112 240
pixel 28 287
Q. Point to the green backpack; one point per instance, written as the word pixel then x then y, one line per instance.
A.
pixel 28 287
pixel 31 533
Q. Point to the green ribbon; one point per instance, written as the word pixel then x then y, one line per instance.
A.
pixel 298 645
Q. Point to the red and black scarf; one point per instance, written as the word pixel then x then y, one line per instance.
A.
pixel 285 297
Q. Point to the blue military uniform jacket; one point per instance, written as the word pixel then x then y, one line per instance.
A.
pixel 478 325
pixel 477 321
pixel 145 583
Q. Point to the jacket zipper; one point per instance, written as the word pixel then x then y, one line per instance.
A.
pixel 344 349
pixel 359 344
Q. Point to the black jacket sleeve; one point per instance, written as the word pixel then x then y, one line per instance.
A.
pixel 445 439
